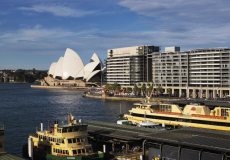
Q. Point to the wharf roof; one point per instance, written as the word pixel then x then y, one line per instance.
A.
pixel 119 131
pixel 187 137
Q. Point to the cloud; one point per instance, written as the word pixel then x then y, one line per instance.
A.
pixel 37 34
pixel 58 10
pixel 195 13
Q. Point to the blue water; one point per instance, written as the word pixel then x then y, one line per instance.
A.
pixel 22 109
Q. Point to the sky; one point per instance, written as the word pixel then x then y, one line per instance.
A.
pixel 34 34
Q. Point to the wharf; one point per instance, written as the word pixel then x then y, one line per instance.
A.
pixel 202 141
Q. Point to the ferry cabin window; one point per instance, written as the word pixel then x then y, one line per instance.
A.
pixel 74 151
pixel 75 129
pixel 85 139
pixel 64 152
pixel 69 129
pixel 166 108
pixel 78 140
pixel 55 140
pixel 64 130
pixel 54 149
pixel 59 131
pixel 62 140
pixel 74 140
pixel 1 145
pixel 84 128
pixel 69 140
pixel 224 112
pixel 81 128
pixel 67 152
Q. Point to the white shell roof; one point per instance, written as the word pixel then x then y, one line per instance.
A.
pixel 52 68
pixel 59 68
pixel 81 73
pixel 92 74
pixel 89 68
pixel 72 64
pixel 95 58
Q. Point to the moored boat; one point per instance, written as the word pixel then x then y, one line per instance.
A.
pixel 63 142
pixel 192 115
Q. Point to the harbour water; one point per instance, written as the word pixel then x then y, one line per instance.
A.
pixel 22 109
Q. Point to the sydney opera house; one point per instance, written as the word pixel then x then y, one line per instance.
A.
pixel 71 71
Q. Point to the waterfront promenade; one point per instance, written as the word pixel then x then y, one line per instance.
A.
pixel 60 87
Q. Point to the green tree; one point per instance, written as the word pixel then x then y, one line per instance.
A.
pixel 118 88
pixel 34 70
pixel 150 89
pixel 159 89
pixel 135 89
pixel 143 89
pixel 129 89
pixel 169 90
pixel 107 86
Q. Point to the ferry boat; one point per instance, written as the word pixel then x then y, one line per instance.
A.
pixel 64 142
pixel 2 139
pixel 192 115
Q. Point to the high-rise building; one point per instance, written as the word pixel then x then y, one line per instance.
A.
pixel 130 65
pixel 196 73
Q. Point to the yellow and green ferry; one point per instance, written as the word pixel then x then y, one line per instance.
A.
pixel 63 142
pixel 192 115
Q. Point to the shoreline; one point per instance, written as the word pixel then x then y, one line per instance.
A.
pixel 60 87
pixel 129 98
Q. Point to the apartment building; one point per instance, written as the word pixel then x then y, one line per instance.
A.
pixel 130 65
pixel 194 73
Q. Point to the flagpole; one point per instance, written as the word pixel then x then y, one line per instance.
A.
pixel 48 125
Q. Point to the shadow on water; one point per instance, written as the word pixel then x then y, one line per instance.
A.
pixel 24 108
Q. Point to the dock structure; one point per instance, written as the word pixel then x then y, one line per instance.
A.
pixel 181 144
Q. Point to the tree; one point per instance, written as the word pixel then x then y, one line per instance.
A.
pixel 135 89
pixel 34 70
pixel 107 86
pixel 118 88
pixel 169 90
pixel 143 89
pixel 159 89
pixel 150 89
pixel 129 89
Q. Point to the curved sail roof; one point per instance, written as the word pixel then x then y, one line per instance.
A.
pixel 95 58
pixel 59 68
pixel 89 68
pixel 52 68
pixel 72 64
pixel 92 74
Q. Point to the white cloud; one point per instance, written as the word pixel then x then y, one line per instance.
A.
pixel 37 34
pixel 58 10
pixel 209 13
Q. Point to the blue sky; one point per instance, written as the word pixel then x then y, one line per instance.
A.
pixel 33 34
